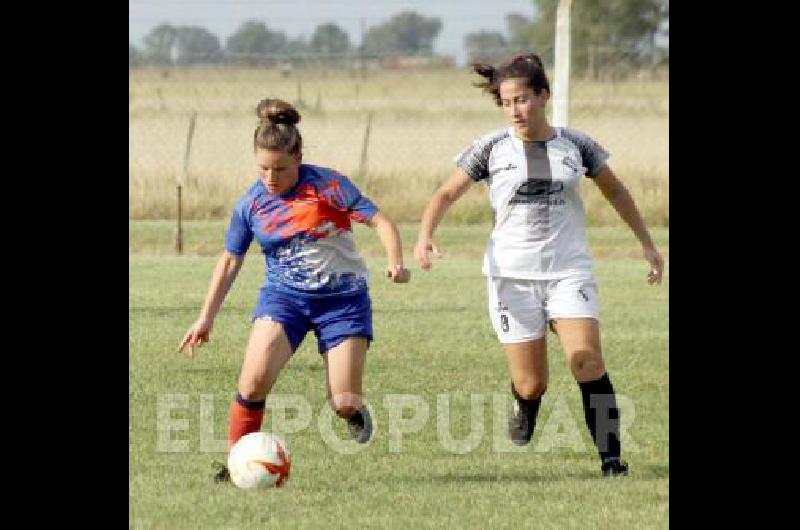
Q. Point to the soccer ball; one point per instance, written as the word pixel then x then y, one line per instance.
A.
pixel 259 460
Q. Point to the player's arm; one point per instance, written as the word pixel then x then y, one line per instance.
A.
pixel 620 198
pixel 448 193
pixel 390 237
pixel 225 272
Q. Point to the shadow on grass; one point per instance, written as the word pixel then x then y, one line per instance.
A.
pixel 527 476
pixel 652 471
pixel 521 476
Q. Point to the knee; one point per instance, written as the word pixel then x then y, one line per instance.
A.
pixel 252 389
pixel 252 393
pixel 587 365
pixel 530 387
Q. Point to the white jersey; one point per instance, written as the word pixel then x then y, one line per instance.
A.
pixel 539 221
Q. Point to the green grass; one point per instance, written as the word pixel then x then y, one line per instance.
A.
pixel 432 338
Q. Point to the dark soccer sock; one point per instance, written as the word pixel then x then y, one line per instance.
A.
pixel 529 406
pixel 357 418
pixel 602 416
pixel 245 417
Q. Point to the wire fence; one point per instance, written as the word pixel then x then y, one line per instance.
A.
pixel 393 124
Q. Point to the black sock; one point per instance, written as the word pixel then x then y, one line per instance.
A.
pixel 251 404
pixel 357 418
pixel 529 406
pixel 604 417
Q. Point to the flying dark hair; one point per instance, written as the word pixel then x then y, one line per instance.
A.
pixel 528 67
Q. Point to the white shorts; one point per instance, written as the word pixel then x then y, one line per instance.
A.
pixel 520 309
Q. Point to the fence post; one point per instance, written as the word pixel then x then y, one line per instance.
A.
pixel 362 166
pixel 300 103
pixel 181 180
pixel 562 66
pixel 179 229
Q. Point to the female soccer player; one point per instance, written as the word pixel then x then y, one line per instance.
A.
pixel 537 263
pixel 301 216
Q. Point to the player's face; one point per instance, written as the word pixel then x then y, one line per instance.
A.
pixel 524 109
pixel 277 170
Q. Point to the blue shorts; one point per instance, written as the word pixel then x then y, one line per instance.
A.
pixel 333 318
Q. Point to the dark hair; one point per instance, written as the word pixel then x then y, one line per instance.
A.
pixel 276 127
pixel 528 67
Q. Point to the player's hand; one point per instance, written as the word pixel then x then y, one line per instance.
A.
pixel 656 265
pixel 197 335
pixel 421 250
pixel 398 274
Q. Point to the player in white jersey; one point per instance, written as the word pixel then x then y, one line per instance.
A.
pixel 537 263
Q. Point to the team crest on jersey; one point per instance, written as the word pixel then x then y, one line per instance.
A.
pixel 570 163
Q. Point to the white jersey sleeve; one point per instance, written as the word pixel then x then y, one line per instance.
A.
pixel 474 160
pixel 592 154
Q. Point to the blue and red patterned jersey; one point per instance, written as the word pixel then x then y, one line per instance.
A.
pixel 305 233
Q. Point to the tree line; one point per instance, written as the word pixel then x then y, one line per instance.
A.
pixel 599 28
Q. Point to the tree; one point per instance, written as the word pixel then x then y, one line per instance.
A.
pixel 158 44
pixel 329 39
pixel 485 46
pixel 518 28
pixel 296 46
pixel 196 45
pixel 253 41
pixel 296 51
pixel 407 33
pixel 134 56
pixel 620 30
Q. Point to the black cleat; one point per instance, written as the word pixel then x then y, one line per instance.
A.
pixel 614 467
pixel 520 425
pixel 221 474
pixel 360 425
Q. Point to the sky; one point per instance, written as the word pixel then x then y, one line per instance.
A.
pixel 301 17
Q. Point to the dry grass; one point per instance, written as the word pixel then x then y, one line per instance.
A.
pixel 421 120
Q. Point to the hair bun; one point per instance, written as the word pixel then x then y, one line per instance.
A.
pixel 529 58
pixel 276 111
pixel 287 116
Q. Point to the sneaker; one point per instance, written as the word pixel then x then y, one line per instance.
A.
pixel 360 425
pixel 614 467
pixel 221 474
pixel 520 425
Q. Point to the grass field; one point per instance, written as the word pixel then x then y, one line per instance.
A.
pixel 420 121
pixel 433 339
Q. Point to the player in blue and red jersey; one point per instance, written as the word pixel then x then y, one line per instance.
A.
pixel 301 216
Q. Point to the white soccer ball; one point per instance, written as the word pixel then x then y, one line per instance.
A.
pixel 259 460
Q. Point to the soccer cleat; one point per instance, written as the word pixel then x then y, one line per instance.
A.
pixel 520 425
pixel 614 467
pixel 360 425
pixel 221 474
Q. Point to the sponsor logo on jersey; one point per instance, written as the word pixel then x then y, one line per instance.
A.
pixel 539 191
